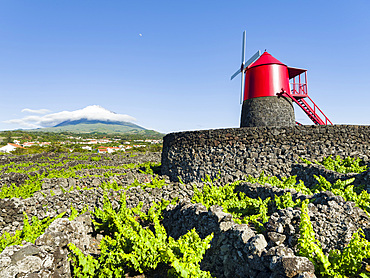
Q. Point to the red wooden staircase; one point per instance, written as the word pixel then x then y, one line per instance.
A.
pixel 298 92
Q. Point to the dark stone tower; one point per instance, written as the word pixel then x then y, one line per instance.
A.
pixel 267 111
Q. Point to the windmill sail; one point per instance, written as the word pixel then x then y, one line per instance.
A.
pixel 244 65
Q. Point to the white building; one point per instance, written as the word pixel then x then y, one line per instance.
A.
pixel 9 148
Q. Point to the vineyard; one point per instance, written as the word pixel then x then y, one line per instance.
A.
pixel 90 215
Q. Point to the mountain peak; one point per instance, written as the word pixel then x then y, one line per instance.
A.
pixel 92 118
pixel 85 121
pixel 92 113
pixel 99 126
pixel 97 112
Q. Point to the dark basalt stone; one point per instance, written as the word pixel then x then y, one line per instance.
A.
pixel 267 111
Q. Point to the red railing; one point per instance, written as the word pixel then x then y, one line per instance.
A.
pixel 312 111
pixel 298 89
pixel 298 85
pixel 316 111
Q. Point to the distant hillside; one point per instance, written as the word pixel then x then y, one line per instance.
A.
pixel 97 126
pixel 91 122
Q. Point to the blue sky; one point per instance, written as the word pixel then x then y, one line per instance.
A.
pixel 168 63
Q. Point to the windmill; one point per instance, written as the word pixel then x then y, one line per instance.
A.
pixel 268 90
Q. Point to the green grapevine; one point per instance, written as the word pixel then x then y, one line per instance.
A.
pixel 127 245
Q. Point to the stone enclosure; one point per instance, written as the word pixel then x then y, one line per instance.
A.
pixel 236 152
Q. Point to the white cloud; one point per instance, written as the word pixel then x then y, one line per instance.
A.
pixel 93 112
pixel 39 111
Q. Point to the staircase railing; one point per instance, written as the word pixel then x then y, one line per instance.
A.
pixel 312 111
pixel 317 112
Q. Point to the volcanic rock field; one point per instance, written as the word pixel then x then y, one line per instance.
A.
pixel 236 250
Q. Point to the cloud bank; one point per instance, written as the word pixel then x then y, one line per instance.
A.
pixel 93 112
pixel 39 111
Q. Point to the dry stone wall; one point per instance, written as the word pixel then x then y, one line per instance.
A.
pixel 236 152
pixel 236 250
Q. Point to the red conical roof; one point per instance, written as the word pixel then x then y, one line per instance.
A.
pixel 265 59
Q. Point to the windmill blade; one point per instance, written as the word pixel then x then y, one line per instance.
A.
pixel 243 50
pixel 243 58
pixel 235 74
pixel 246 64
pixel 253 58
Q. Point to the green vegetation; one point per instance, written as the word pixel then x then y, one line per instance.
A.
pixel 345 263
pixel 26 190
pixel 129 245
pixel 136 242
pixel 338 264
pixel 284 182
pixel 242 208
pixel 49 170
pixel 344 166
pixel 59 142
pixel 286 201
pixel 245 209
pixel 345 189
pixel 154 183
pixel 29 233
pixel 57 136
